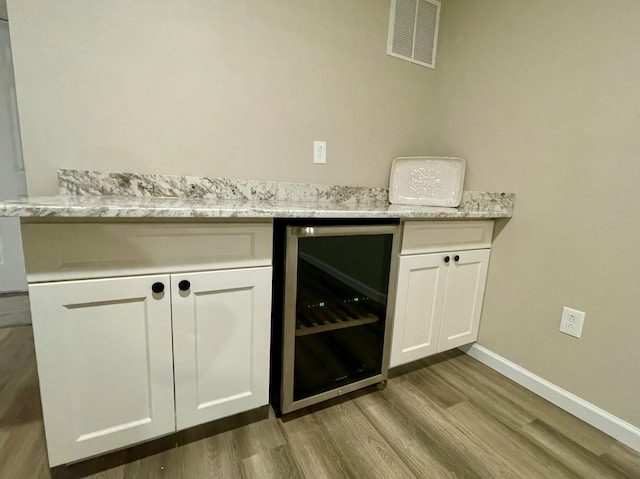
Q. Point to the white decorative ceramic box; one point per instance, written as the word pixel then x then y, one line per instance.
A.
pixel 427 181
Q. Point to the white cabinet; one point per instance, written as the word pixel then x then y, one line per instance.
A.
pixel 104 362
pixel 439 295
pixel 418 313
pixel 120 361
pixel 463 295
pixel 221 331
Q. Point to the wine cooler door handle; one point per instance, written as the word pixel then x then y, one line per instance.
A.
pixel 305 231
pixel 356 230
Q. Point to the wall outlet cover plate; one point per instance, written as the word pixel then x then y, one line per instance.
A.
pixel 571 322
pixel 427 181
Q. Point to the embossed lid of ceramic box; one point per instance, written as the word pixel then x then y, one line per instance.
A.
pixel 427 181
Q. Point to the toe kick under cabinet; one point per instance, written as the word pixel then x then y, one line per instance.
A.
pixel 143 329
pixel 441 278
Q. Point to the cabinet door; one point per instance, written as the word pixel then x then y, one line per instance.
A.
pixel 104 362
pixel 221 331
pixel 418 311
pixel 463 298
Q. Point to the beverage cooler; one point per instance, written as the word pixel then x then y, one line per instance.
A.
pixel 333 290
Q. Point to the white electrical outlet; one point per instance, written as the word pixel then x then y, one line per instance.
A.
pixel 571 322
pixel 320 152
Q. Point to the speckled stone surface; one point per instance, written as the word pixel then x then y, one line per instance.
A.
pixel 474 205
pixel 90 194
pixel 78 182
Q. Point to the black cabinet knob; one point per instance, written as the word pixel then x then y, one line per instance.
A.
pixel 157 287
pixel 446 259
pixel 184 285
pixel 456 258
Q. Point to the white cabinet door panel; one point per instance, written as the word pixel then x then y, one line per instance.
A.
pixel 464 295
pixel 105 363
pixel 221 332
pixel 418 313
pixel 438 304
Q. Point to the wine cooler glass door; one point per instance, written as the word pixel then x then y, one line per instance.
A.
pixel 336 303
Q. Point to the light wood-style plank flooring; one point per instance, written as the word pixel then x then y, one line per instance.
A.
pixel 14 310
pixel 445 417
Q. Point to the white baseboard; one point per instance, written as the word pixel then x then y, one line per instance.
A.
pixel 608 423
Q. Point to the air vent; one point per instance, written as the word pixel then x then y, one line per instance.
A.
pixel 413 31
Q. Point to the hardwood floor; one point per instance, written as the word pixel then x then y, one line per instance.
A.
pixel 445 417
pixel 14 309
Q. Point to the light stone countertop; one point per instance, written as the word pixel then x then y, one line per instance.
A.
pixel 95 194
pixel 474 205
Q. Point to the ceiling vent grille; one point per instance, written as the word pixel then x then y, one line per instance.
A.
pixel 413 31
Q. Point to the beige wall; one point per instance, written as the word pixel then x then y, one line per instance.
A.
pixel 226 88
pixel 540 97
pixel 3 10
pixel 543 98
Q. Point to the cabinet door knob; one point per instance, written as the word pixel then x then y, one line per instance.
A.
pixel 157 287
pixel 456 258
pixel 184 285
pixel 446 259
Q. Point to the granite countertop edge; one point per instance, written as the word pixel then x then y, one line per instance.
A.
pixel 484 205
